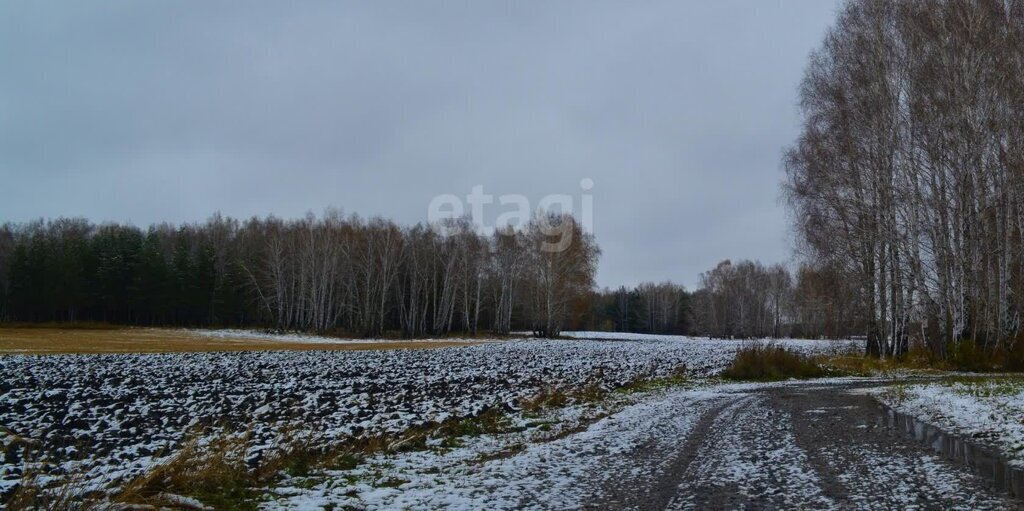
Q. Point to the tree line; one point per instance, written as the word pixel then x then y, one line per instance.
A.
pixel 907 180
pixel 747 299
pixel 734 300
pixel 345 275
pixel 327 274
pixel 662 308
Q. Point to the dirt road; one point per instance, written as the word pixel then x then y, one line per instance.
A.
pixel 804 447
pixel 819 445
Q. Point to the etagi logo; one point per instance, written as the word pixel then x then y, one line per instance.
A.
pixel 516 211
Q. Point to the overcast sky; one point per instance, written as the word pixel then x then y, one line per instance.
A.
pixel 152 111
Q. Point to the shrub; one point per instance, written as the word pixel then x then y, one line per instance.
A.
pixel 966 355
pixel 766 362
pixel 1014 356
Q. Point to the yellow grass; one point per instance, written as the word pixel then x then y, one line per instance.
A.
pixel 46 341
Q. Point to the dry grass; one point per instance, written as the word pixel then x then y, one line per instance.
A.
pixel 214 473
pixel 32 340
pixel 71 495
pixel 962 356
pixel 863 365
pixel 549 397
pixel 769 362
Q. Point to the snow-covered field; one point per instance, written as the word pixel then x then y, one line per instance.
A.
pixel 990 411
pixel 109 417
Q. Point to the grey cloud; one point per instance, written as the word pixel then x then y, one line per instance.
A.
pixel 171 110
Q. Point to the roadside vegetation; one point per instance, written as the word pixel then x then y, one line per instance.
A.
pixel 965 356
pixel 770 362
pixel 215 469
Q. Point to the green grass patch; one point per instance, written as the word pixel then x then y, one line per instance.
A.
pixel 649 385
pixel 985 386
pixel 490 422
pixel 977 386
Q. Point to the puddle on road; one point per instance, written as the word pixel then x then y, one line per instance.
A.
pixel 985 461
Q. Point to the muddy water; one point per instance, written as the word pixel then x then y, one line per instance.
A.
pixel 984 460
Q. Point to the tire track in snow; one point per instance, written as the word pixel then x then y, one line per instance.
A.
pixel 672 462
pixel 750 456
